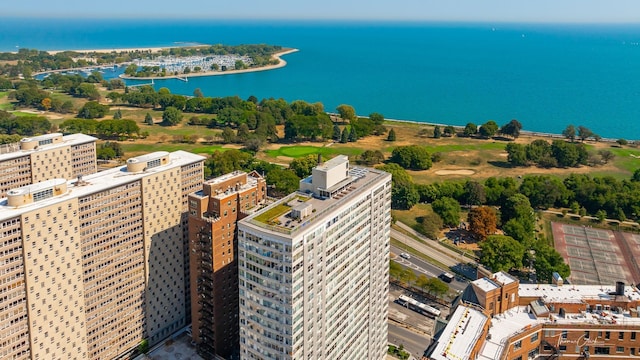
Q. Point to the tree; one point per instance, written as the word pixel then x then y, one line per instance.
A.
pixel 569 132
pixel 353 135
pixel 344 137
pixel 470 129
pixel 516 154
pixel 395 270
pixel 404 196
pixel 430 224
pixel 437 132
pixel 303 166
pixel 437 287
pixel 584 133
pixel 346 112
pixel 474 193
pixel 501 253
pixel 336 133
pixel 448 209
pixel 512 128
pixel 117 115
pixel 422 282
pixel 392 135
pixel 198 93
pixel 449 130
pixel 228 135
pixel 148 119
pixel 253 144
pixel 171 116
pixel 482 222
pixel 371 157
pixel 488 129
pixel 518 207
pixel 544 191
pixel 46 104
pixel 411 157
pixel 143 347
pixel 409 276
pixel 131 70
pixel 242 133
pixel 93 110
pixel 282 182
pixel 377 118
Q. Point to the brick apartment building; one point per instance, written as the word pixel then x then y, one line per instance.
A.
pixel 499 318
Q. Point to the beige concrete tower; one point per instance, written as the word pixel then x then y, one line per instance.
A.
pixel 94 260
pixel 46 157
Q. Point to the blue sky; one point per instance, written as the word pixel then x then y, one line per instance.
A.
pixel 439 10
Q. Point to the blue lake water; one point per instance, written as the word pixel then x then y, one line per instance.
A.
pixel 546 76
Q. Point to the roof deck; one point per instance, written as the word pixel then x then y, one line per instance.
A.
pixel 281 217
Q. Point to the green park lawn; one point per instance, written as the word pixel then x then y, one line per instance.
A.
pixel 304 150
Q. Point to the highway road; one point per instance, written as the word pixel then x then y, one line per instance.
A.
pixel 420 266
pixel 414 343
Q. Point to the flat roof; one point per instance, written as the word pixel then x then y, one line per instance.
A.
pixel 574 293
pixel 282 223
pixel 485 284
pixel 67 140
pixel 98 182
pixel 504 326
pixel 460 335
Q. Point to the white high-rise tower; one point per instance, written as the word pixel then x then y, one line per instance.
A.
pixel 314 268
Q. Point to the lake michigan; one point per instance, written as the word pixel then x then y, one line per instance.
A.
pixel 546 76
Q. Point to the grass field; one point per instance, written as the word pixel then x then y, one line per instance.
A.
pixel 135 148
pixel 304 150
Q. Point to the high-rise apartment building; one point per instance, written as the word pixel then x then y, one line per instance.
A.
pixel 91 267
pixel 213 214
pixel 313 268
pixel 45 157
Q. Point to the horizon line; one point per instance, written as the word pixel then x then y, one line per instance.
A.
pixel 326 19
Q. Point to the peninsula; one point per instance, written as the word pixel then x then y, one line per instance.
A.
pixel 183 69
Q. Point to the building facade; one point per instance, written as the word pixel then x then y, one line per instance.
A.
pixel 91 267
pixel 541 321
pixel 213 214
pixel 313 268
pixel 46 157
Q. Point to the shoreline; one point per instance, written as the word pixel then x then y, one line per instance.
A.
pixel 118 50
pixel 281 63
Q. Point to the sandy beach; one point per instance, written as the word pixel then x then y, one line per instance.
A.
pixel 107 51
pixel 281 63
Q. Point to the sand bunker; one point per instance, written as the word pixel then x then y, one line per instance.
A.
pixel 455 172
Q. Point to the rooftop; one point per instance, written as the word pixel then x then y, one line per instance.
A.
pixel 278 217
pixel 461 334
pixel 67 140
pixel 486 284
pixel 97 182
pixel 574 293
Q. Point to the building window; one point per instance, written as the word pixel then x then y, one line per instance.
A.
pixel 607 335
pixel 518 358
pixel 619 349
pixel 533 354
pixel 620 335
pixel 633 335
pixel 564 334
pixel 601 350
pixel 586 334
pixel 517 345
pixel 534 337
pixel 562 348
